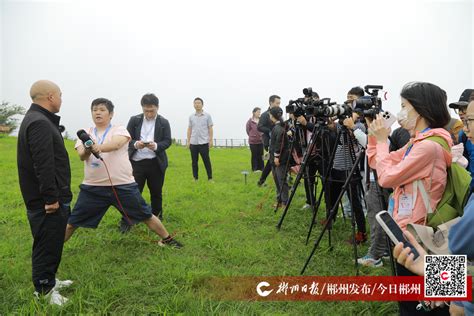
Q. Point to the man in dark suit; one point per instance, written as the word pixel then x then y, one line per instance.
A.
pixel 150 137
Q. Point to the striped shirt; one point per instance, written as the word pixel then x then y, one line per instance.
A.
pixel 343 160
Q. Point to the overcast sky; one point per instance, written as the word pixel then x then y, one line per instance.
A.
pixel 233 54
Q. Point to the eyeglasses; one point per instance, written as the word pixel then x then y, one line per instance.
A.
pixel 467 121
pixel 460 111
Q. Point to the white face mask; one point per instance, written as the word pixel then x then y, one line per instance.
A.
pixel 404 121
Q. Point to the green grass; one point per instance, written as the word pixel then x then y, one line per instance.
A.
pixel 228 229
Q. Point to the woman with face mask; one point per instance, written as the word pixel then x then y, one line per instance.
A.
pixel 423 113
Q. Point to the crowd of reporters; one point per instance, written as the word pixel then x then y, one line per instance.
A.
pixel 396 166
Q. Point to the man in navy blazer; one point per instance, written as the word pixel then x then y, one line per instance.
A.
pixel 150 137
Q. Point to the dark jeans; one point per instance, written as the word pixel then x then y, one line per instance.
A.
pixel 148 170
pixel 266 171
pixel 281 185
pixel 48 240
pixel 257 156
pixel 334 189
pixel 202 150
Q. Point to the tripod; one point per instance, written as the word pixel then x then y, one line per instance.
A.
pixel 319 131
pixel 346 143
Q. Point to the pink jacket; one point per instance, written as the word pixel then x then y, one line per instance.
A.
pixel 427 161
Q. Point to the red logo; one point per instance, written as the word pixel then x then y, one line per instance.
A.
pixel 445 276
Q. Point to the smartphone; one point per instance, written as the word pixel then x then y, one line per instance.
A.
pixel 394 231
pixel 388 119
pixel 146 143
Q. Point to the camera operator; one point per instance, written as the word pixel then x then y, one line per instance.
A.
pixel 343 163
pixel 352 95
pixel 265 126
pixel 307 125
pixel 279 155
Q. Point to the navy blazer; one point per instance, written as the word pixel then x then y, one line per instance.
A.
pixel 162 138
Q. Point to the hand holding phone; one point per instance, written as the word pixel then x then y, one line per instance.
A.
pixel 394 231
pixel 388 119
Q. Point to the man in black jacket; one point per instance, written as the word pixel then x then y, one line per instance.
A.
pixel 45 182
pixel 265 126
pixel 279 155
pixel 150 137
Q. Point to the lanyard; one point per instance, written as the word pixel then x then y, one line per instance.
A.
pixel 101 140
pixel 411 145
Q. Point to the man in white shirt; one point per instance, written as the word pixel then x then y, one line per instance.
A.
pixel 150 137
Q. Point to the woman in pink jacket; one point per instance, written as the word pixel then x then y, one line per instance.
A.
pixel 424 162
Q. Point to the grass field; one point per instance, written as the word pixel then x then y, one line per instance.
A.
pixel 228 229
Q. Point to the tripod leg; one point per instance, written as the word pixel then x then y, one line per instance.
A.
pixel 298 178
pixel 315 213
pixel 331 216
pixel 343 212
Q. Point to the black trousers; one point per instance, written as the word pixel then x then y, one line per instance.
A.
pixel 48 240
pixel 257 156
pixel 148 171
pixel 266 171
pixel 334 189
pixel 309 182
pixel 202 150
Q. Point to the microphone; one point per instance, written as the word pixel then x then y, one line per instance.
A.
pixel 87 141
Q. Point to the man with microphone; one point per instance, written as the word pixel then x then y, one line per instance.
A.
pixel 108 177
pixel 45 183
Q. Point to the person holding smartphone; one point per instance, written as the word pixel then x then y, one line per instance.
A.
pixel 423 113
pixel 150 137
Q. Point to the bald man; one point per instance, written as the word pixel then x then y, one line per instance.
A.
pixel 45 183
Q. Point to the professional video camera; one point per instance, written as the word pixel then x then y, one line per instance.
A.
pixel 310 105
pixel 370 105
pixel 302 106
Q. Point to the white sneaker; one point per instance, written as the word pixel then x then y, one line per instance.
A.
pixel 54 297
pixel 306 206
pixel 62 284
pixel 368 261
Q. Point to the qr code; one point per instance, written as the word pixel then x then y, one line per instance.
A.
pixel 445 276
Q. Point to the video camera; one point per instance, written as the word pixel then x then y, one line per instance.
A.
pixel 370 105
pixel 311 105
pixel 307 106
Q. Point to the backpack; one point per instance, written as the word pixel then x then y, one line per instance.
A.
pixel 455 194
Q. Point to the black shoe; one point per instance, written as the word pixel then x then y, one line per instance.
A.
pixel 171 242
pixel 124 227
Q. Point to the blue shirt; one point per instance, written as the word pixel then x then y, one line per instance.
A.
pixel 469 148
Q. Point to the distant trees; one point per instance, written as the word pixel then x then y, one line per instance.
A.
pixel 8 121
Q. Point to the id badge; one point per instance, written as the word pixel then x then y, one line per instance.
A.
pixel 391 205
pixel 95 163
pixel 405 205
